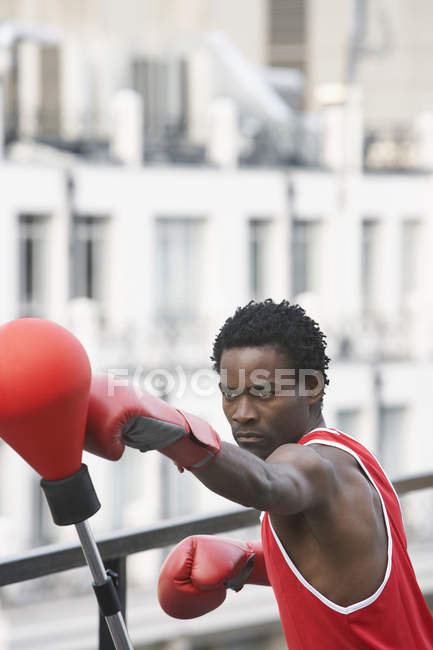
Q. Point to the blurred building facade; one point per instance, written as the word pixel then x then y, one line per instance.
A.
pixel 162 164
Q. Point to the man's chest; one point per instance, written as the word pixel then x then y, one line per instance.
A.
pixel 300 544
pixel 344 569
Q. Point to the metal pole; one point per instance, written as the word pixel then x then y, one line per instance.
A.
pixel 115 622
pixel 356 42
pixel 117 569
pixel 357 45
pixel 4 69
pixel 2 117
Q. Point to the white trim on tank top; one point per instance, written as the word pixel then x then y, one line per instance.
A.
pixel 367 601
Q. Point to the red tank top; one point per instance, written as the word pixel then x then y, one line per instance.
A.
pixel 395 617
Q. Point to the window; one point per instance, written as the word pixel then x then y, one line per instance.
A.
pixel 410 238
pixel 348 421
pixel 177 490
pixel 11 81
pixel 88 257
pixel 179 269
pixel 258 244
pixel 392 420
pixel 124 479
pixel 49 126
pixel 287 33
pixel 369 263
pixel 163 87
pixel 305 256
pixel 32 97
pixel 43 529
pixel 32 264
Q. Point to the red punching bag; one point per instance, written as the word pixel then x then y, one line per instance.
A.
pixel 44 391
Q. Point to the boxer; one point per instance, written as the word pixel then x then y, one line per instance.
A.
pixel 332 546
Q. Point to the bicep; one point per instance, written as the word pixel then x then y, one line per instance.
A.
pixel 291 480
pixel 299 479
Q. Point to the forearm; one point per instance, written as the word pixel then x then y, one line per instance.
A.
pixel 239 476
pixel 291 480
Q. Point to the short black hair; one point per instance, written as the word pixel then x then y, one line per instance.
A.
pixel 283 325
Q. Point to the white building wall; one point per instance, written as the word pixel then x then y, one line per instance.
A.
pixel 95 65
pixel 132 198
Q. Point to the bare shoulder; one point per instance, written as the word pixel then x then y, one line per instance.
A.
pixel 333 473
pixel 311 458
pixel 353 488
pixel 311 470
pixel 341 460
pixel 300 456
pixel 345 466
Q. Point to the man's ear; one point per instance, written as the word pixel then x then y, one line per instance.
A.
pixel 314 399
pixel 314 384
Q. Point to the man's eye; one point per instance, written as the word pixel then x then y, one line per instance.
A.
pixel 229 396
pixel 262 393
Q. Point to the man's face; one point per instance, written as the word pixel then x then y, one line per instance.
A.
pixel 261 418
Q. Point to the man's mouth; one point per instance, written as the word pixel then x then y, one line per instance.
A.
pixel 249 438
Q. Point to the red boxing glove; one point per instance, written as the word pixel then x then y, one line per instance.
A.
pixel 197 573
pixel 117 416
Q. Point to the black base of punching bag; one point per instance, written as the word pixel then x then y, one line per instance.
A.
pixel 71 499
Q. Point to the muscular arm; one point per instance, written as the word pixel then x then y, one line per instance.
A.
pixel 291 480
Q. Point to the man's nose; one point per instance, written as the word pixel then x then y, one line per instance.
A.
pixel 244 411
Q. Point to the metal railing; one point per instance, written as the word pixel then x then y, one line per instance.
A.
pixel 115 548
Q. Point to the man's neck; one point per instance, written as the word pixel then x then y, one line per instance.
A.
pixel 316 421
